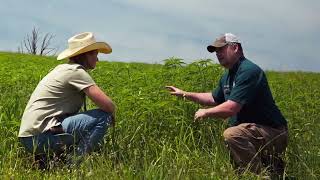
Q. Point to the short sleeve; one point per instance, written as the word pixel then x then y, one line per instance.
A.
pixel 245 85
pixel 80 79
pixel 217 94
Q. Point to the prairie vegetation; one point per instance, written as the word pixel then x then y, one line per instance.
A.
pixel 155 136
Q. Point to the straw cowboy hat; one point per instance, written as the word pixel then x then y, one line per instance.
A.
pixel 82 43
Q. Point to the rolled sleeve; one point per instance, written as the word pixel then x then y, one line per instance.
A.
pixel 80 79
pixel 245 86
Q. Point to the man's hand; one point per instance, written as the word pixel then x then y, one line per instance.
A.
pixel 175 91
pixel 113 120
pixel 200 114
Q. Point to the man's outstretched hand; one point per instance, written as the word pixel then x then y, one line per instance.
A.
pixel 175 91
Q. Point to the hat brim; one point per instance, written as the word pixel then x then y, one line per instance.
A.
pixel 216 44
pixel 211 48
pixel 102 47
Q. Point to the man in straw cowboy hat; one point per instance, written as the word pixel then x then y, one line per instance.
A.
pixel 258 131
pixel 51 120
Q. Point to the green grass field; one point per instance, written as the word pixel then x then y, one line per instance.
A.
pixel 155 136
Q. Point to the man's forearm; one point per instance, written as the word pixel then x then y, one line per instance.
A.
pixel 218 112
pixel 201 98
pixel 224 110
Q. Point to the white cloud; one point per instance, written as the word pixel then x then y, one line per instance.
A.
pixel 150 31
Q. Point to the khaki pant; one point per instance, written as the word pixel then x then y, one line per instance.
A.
pixel 249 143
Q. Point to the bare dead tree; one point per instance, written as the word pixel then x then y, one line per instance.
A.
pixel 32 42
pixel 45 49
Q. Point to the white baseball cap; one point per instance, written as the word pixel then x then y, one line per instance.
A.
pixel 222 41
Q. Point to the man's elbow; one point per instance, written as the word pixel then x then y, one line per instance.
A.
pixel 230 112
pixel 233 113
pixel 233 108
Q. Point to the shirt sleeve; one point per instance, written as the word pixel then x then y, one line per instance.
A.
pixel 245 85
pixel 80 79
pixel 217 94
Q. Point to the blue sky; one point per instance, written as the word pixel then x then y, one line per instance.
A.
pixel 282 35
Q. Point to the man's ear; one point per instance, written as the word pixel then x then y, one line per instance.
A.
pixel 236 48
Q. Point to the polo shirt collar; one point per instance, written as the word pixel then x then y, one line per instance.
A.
pixel 236 65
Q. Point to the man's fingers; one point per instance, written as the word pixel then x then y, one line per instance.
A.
pixel 174 91
pixel 195 116
pixel 113 120
pixel 198 116
pixel 171 88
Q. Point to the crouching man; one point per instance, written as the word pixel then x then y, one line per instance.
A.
pixel 258 133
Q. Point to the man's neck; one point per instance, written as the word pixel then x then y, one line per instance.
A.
pixel 235 65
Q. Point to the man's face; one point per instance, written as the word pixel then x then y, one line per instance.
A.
pixel 92 58
pixel 227 55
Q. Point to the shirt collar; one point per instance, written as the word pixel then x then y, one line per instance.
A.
pixel 236 65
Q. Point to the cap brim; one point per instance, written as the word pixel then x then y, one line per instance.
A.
pixel 102 47
pixel 216 44
pixel 211 48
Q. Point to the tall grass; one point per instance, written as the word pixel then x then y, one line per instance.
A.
pixel 155 137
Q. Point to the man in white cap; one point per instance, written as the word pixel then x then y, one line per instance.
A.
pixel 51 120
pixel 258 131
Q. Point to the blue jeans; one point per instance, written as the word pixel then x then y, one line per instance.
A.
pixel 87 130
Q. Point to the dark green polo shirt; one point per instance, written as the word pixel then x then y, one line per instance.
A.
pixel 246 84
